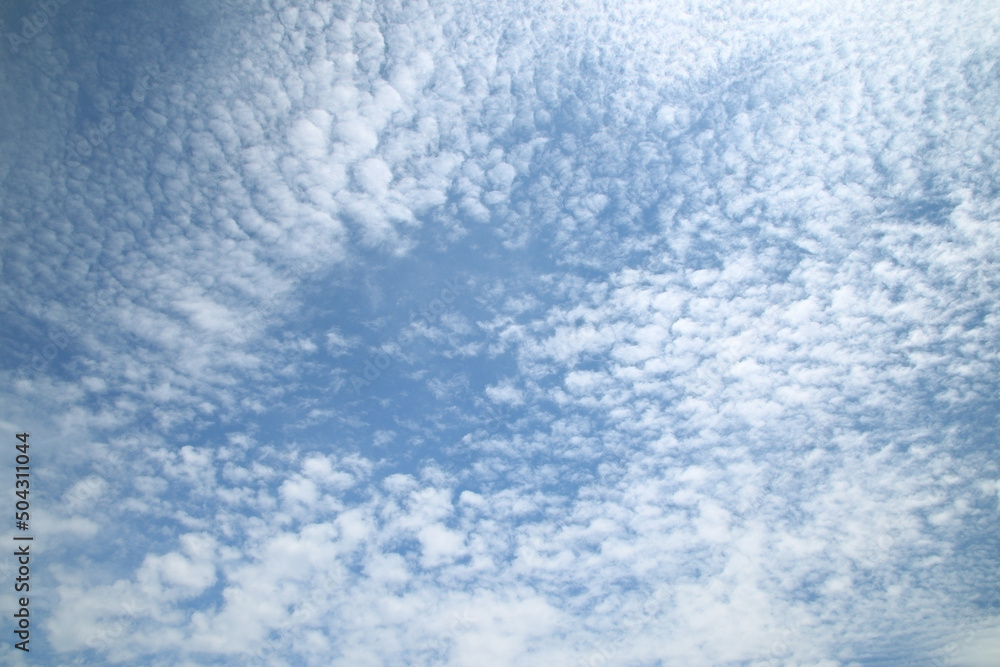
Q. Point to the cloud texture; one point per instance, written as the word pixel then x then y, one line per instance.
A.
pixel 458 334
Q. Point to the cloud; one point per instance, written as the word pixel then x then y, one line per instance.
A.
pixel 722 363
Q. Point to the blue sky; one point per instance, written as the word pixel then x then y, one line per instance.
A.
pixel 460 334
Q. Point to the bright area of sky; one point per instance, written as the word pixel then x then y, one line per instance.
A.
pixel 453 333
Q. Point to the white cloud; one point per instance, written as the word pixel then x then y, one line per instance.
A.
pixel 976 647
pixel 735 286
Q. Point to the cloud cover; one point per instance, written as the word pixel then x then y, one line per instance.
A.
pixel 719 386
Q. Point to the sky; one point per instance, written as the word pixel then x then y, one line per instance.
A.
pixel 450 333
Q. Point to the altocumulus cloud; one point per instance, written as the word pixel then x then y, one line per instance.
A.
pixel 719 386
